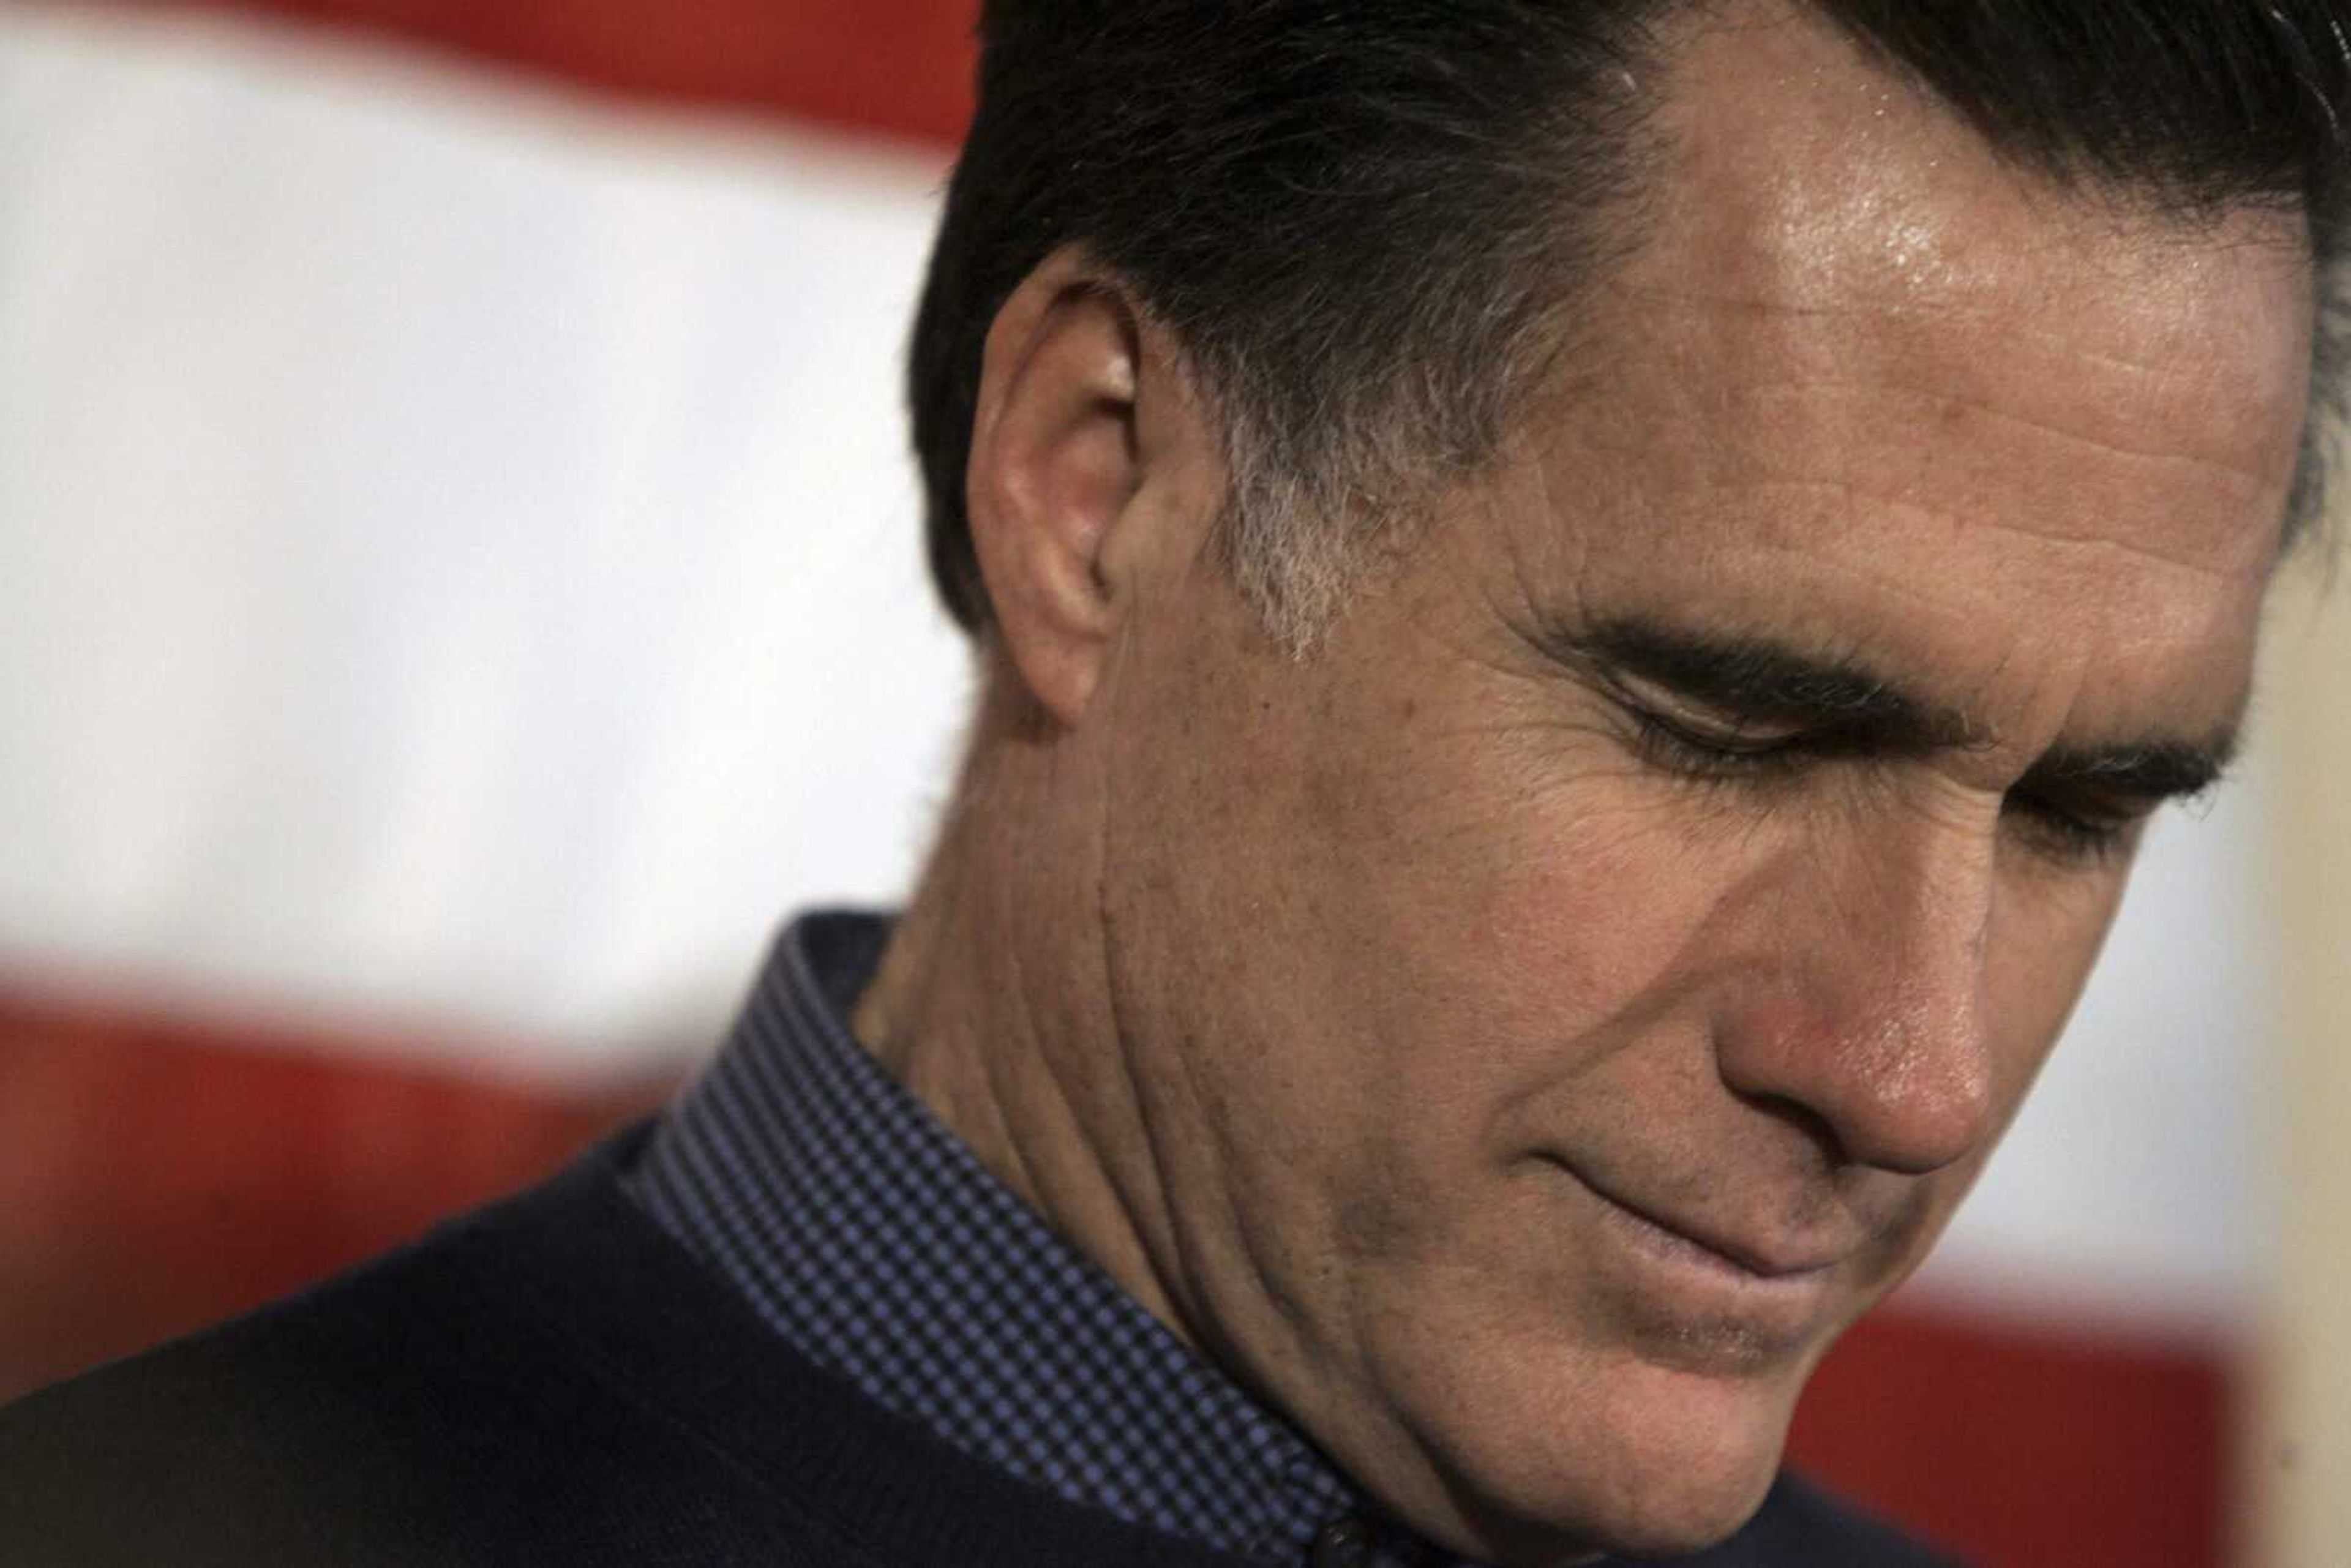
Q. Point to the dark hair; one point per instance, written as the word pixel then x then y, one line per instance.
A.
pixel 1361 219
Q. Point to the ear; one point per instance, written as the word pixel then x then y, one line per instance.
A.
pixel 1081 407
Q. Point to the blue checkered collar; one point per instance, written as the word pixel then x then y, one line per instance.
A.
pixel 874 1243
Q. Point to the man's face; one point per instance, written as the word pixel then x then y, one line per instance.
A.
pixel 1565 1001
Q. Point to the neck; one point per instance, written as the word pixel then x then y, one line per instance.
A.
pixel 991 1005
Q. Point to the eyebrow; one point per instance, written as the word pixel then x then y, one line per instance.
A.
pixel 1852 706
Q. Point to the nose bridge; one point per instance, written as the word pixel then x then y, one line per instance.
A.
pixel 1876 1019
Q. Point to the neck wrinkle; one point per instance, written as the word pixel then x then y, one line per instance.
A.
pixel 977 1012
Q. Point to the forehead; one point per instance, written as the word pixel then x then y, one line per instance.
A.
pixel 1862 371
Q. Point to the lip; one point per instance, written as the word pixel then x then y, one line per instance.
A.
pixel 1766 1260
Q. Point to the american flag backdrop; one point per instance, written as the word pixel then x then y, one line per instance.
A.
pixel 453 490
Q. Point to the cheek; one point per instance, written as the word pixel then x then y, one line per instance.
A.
pixel 1532 923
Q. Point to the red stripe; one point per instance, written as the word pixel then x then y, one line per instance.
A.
pixel 156 1175
pixel 2029 1447
pixel 902 66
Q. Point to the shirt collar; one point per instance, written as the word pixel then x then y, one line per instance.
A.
pixel 870 1239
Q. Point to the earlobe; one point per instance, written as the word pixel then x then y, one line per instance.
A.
pixel 1056 461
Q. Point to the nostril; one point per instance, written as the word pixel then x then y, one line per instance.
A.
pixel 1813 1127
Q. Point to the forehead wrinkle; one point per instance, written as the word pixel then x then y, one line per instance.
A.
pixel 1837 362
pixel 1984 408
pixel 1660 307
pixel 1868 319
pixel 2063 372
pixel 2258 489
pixel 2262 541
pixel 1855 449
pixel 1854 496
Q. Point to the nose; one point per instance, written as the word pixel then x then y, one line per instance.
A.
pixel 1869 1009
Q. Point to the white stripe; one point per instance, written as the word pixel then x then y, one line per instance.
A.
pixel 455 541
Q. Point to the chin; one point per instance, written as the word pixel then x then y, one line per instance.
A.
pixel 1636 1460
pixel 1660 1514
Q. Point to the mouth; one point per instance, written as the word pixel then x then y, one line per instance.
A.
pixel 1763 1261
pixel 1703 1297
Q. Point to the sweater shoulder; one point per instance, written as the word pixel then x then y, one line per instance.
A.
pixel 433 1405
pixel 552 1379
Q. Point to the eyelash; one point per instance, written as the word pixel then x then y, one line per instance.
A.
pixel 2067 837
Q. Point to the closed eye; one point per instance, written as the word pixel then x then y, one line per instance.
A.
pixel 2080 832
pixel 1677 746
pixel 2075 831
